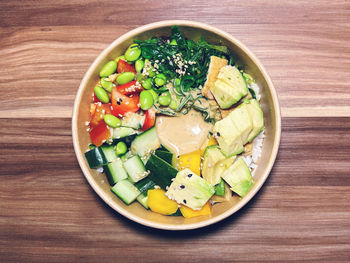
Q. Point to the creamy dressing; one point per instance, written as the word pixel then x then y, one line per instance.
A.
pixel 183 134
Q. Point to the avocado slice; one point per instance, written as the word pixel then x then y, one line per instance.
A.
pixel 229 87
pixel 256 115
pixel 238 177
pixel 190 189
pixel 211 157
pixel 242 120
pixel 228 137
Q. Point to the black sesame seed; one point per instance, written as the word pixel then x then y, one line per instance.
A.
pixel 185 202
pixel 118 102
pixel 182 186
pixel 218 133
pixel 189 175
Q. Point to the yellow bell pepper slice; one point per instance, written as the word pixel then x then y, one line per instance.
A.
pixel 191 161
pixel 158 202
pixel 188 212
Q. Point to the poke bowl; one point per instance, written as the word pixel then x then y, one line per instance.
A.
pixel 176 125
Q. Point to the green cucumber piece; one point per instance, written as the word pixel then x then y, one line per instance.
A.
pixel 143 200
pixel 115 171
pixel 126 191
pixel 96 158
pixel 220 188
pixel 165 155
pixel 163 148
pixel 145 143
pixel 161 172
pixel 135 169
pixel 145 184
pixel 121 132
pixel 109 152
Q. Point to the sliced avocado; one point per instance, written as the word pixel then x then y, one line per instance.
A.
pixel 238 177
pixel 256 115
pixel 229 87
pixel 222 165
pixel 241 119
pixel 212 155
pixel 228 137
pixel 190 189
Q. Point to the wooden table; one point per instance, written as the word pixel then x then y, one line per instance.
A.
pixel 49 213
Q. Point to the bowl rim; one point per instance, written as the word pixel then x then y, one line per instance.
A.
pixel 101 57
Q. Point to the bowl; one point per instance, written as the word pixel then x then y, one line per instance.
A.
pixel 269 103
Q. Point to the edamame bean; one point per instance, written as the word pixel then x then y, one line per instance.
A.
pixel 173 42
pixel 154 94
pixel 107 85
pixel 139 64
pixel 164 99
pixel 101 94
pixel 108 69
pixel 133 52
pixel 146 100
pixel 173 104
pixel 160 79
pixel 125 77
pixel 120 57
pixel 112 121
pixel 147 83
pixel 121 148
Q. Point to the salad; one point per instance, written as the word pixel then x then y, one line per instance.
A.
pixel 176 125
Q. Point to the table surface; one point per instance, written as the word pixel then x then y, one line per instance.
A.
pixel 49 213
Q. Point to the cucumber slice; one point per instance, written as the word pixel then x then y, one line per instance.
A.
pixel 126 191
pixel 96 158
pixel 121 132
pixel 143 200
pixel 145 184
pixel 135 169
pixel 145 143
pixel 133 120
pixel 161 172
pixel 165 155
pixel 109 152
pixel 115 171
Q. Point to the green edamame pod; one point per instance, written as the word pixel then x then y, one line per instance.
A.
pixel 154 94
pixel 121 148
pixel 173 104
pixel 133 52
pixel 147 83
pixel 108 69
pixel 146 100
pixel 160 79
pixel 101 94
pixel 139 64
pixel 125 77
pixel 164 99
pixel 107 85
pixel 112 121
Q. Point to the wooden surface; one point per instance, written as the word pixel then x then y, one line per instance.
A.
pixel 49 213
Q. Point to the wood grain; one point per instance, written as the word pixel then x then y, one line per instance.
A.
pixel 49 213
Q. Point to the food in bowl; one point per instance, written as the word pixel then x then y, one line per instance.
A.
pixel 176 125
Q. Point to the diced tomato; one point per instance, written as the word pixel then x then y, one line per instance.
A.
pixel 99 134
pixel 94 98
pixel 99 112
pixel 149 120
pixel 122 104
pixel 124 66
pixel 130 88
